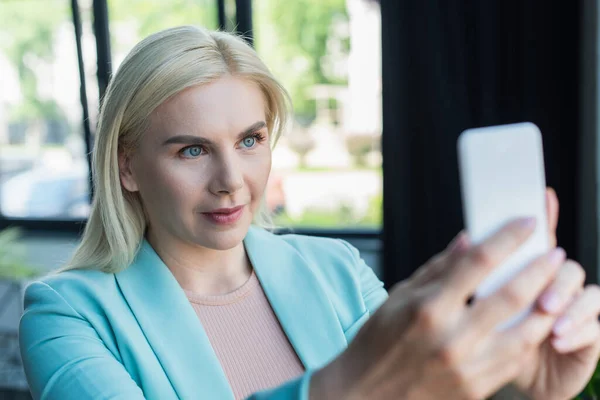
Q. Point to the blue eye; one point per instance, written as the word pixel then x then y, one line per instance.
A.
pixel 249 141
pixel 192 151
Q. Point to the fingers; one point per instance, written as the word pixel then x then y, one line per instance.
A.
pixel 526 336
pixel 552 210
pixel 577 326
pixel 568 282
pixel 515 347
pixel 438 263
pixel 459 243
pixel 475 264
pixel 587 335
pixel 515 296
pixel 492 373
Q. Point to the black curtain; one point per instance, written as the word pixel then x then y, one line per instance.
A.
pixel 449 66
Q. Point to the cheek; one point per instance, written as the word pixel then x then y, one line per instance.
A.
pixel 257 174
pixel 168 182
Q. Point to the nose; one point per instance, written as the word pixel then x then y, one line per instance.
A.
pixel 228 176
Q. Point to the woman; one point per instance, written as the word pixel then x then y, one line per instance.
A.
pixel 173 293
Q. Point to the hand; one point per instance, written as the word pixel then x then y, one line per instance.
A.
pixel 425 343
pixel 566 360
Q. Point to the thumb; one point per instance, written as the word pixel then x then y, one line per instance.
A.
pixel 552 211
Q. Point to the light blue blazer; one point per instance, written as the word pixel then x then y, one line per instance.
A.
pixel 134 335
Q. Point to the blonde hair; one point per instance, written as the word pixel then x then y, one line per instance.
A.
pixel 158 68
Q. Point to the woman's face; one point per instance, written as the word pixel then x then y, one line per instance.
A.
pixel 206 152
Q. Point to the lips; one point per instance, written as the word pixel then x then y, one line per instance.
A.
pixel 224 216
pixel 225 211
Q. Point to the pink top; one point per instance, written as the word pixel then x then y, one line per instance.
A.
pixel 247 338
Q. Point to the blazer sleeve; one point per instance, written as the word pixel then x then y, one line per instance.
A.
pixel 63 356
pixel 372 289
pixel 373 294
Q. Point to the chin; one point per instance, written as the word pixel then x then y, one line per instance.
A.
pixel 221 244
pixel 222 239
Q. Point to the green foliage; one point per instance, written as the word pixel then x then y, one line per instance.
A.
pixel 592 389
pixel 27 34
pixel 12 256
pixel 374 215
pixel 35 108
pixel 150 16
pixel 299 30
pixel 344 216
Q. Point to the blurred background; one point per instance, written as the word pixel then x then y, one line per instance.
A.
pixel 381 91
pixel 327 54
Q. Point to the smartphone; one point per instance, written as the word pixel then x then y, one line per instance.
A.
pixel 502 178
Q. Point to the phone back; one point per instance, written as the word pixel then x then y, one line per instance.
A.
pixel 502 178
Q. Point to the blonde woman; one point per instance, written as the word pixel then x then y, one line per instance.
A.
pixel 176 291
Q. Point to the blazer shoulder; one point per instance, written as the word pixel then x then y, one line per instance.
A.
pixel 79 279
pixel 324 251
pixel 350 283
pixel 79 288
pixel 335 262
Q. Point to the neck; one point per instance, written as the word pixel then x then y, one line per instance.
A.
pixel 202 270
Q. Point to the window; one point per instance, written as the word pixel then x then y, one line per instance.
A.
pixel 327 169
pixel 43 167
pixel 133 20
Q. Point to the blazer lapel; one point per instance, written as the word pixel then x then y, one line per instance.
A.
pixel 178 339
pixel 172 328
pixel 297 298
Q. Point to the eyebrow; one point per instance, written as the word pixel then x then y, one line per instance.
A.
pixel 192 139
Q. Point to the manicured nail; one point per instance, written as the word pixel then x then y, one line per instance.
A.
pixel 528 222
pixel 550 302
pixel 562 326
pixel 456 241
pixel 561 344
pixel 557 255
pixel 459 243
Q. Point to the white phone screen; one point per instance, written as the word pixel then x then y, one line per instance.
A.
pixel 502 178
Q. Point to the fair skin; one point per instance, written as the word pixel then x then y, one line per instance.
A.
pixel 206 148
pixel 568 356
pixel 453 350
pixel 201 152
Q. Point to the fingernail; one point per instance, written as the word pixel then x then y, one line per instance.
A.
pixel 557 255
pixel 560 343
pixel 528 222
pixel 550 302
pixel 456 242
pixel 562 326
pixel 459 243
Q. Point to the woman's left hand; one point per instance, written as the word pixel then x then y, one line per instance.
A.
pixel 565 362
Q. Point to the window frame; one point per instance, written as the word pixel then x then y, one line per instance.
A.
pixel 101 22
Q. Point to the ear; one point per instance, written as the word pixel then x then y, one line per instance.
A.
pixel 125 173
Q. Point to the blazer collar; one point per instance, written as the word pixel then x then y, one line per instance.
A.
pixel 178 339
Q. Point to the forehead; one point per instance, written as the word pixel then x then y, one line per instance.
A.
pixel 226 106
